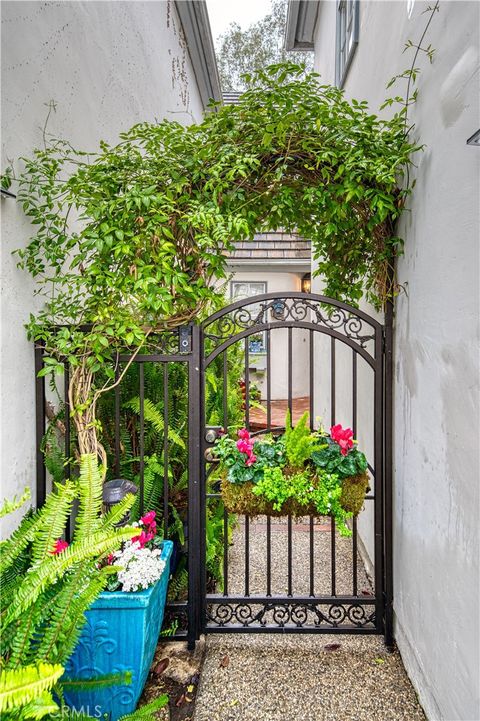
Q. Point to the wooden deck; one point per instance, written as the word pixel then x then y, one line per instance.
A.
pixel 258 416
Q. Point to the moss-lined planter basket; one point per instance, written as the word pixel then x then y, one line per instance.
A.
pixel 354 490
pixel 239 498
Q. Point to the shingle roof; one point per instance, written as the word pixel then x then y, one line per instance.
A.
pixel 274 244
pixel 231 98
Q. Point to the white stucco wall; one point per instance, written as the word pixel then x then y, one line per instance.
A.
pixel 436 431
pixel 107 65
pixel 280 282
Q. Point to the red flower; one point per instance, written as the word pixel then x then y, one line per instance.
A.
pixel 148 518
pixel 143 538
pixel 244 446
pixel 59 547
pixel 244 434
pixel 342 436
pixel 251 459
pixel 110 559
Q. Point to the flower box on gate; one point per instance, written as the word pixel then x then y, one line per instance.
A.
pixel 120 634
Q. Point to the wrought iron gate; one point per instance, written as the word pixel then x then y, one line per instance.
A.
pixel 345 355
pixel 345 360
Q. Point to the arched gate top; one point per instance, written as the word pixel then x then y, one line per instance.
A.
pixel 290 309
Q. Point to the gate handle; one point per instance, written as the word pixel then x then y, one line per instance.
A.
pixel 210 456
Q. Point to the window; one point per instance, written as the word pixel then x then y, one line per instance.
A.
pixel 347 38
pixel 241 289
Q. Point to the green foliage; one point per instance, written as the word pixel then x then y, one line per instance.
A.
pixel 299 442
pixel 323 490
pixel 329 458
pixel 154 442
pixel 241 52
pixel 11 506
pixel 144 224
pixel 147 711
pixel 152 415
pixel 269 452
pixel 20 688
pixel 45 592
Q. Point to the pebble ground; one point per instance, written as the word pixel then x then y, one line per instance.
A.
pixel 300 677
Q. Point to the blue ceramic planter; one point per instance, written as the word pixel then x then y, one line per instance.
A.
pixel 120 634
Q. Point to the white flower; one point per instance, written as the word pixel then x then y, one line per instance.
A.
pixel 141 567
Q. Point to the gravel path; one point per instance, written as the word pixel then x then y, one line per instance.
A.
pixel 304 677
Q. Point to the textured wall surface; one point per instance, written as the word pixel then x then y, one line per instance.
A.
pixel 436 474
pixel 105 66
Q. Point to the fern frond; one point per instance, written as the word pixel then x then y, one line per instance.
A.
pixel 90 488
pixel 65 624
pixel 53 568
pixel 121 678
pixel 31 524
pixel 117 512
pixel 299 441
pixel 145 713
pixel 41 707
pixel 152 486
pixel 178 585
pixel 20 686
pixel 23 632
pixel 53 454
pixel 154 416
pixel 53 524
pixel 9 578
pixel 13 505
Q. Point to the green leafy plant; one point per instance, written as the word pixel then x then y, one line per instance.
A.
pixel 241 51
pixel 268 453
pixel 299 441
pixel 301 472
pixel 330 459
pixel 26 691
pixel 144 224
pixel 322 491
pixel 47 585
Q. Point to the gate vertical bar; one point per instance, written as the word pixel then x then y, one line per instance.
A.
pixel 196 504
pixel 166 490
pixel 67 471
pixel 40 402
pixel 387 474
pixel 117 418
pixel 378 434
pixel 141 381
pixel 225 512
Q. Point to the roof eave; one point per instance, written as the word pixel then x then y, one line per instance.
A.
pixel 301 20
pixel 193 15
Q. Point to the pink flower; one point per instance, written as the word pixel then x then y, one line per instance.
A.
pixel 148 518
pixel 59 547
pixel 244 434
pixel 251 459
pixel 143 538
pixel 110 559
pixel 244 446
pixel 342 436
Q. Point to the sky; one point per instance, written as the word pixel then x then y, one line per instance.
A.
pixel 244 12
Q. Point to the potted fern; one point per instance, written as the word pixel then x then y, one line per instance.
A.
pixel 47 585
pixel 298 473
pixel 123 625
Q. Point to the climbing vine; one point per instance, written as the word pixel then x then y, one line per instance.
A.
pixel 130 239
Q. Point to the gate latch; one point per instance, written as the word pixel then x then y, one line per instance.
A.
pixel 212 433
pixel 185 339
